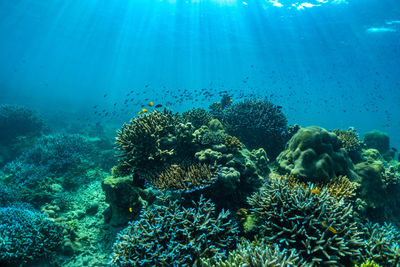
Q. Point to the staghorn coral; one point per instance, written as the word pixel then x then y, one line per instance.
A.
pixel 185 179
pixel 26 235
pixel 152 141
pixel 197 117
pixel 171 235
pixel 349 139
pixel 232 144
pixel 213 138
pixel 381 244
pixel 314 154
pixel 318 226
pixel 257 123
pixel 260 254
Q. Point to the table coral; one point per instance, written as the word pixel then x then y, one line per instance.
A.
pixel 171 235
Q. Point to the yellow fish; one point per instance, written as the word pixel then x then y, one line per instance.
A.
pixel 230 100
pixel 130 210
pixel 140 112
pixel 144 110
pixel 150 104
pixel 316 191
pixel 333 230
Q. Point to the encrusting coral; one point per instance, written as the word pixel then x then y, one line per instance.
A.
pixel 319 227
pixel 171 235
pixel 259 254
pixel 185 179
pixel 314 154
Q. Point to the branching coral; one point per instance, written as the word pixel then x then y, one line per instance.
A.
pixel 197 116
pixel 26 235
pixel 318 226
pixel 185 179
pixel 381 244
pixel 257 123
pixel 150 141
pixel 171 235
pixel 232 144
pixel 349 139
pixel 260 254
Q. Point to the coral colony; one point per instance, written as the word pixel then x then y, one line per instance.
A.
pixel 232 186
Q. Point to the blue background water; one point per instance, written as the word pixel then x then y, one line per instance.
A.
pixel 325 65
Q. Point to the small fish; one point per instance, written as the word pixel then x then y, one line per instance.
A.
pixel 105 95
pixel 158 106
pixel 316 191
pixel 144 110
pixel 139 112
pixel 130 210
pixel 230 100
pixel 394 149
pixel 150 104
pixel 333 230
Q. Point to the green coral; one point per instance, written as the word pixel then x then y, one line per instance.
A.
pixel 368 264
pixel 232 144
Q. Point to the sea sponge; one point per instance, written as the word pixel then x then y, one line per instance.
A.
pixel 314 154
pixel 320 228
pixel 259 254
pixel 168 234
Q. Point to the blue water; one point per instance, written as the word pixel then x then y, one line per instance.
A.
pixel 335 65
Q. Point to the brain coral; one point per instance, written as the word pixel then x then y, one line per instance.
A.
pixel 315 154
pixel 319 227
pixel 26 235
pixel 171 235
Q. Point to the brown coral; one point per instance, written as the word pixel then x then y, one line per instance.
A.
pixel 185 179
pixel 233 144
pixel 349 139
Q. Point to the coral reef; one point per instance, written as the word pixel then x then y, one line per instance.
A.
pixel 368 264
pixel 380 141
pixel 349 139
pixel 314 154
pixel 259 254
pixel 19 121
pixel 381 244
pixel 319 227
pixel 197 117
pixel 26 235
pixel 171 235
pixel 185 179
pixel 257 123
pixel 372 187
pixel 232 144
pixel 152 142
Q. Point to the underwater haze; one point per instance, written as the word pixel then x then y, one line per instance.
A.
pixel 114 114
